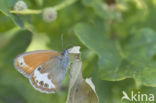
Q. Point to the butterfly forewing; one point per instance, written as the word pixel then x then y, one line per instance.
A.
pixel 27 62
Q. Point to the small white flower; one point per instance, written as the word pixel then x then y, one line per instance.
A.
pixel 20 6
pixel 49 14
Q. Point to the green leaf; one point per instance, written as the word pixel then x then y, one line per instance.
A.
pixel 95 38
pixel 117 60
pixel 140 52
pixel 5 6
pixel 111 92
pixel 18 44
pixel 89 59
pixel 103 10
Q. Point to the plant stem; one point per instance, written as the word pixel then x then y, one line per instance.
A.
pixel 26 12
pixel 60 6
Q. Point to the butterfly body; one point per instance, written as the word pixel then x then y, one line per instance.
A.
pixel 45 69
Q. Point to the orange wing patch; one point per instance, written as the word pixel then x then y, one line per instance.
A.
pixel 26 63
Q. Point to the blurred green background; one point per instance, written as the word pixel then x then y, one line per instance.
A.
pixel 117 39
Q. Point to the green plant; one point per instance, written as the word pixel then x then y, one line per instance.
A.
pixel 117 38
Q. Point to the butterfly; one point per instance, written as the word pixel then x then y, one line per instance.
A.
pixel 45 69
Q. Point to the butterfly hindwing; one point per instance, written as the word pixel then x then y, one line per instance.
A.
pixel 48 76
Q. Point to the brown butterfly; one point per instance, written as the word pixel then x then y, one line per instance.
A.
pixel 45 69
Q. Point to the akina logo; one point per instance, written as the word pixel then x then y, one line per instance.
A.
pixel 137 97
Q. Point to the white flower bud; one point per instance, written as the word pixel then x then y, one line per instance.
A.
pixel 49 14
pixel 20 6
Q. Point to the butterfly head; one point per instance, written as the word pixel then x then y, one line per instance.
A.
pixel 65 53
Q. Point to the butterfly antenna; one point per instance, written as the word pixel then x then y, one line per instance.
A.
pixel 62 41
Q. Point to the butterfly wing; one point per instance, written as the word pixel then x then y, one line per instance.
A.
pixel 48 76
pixel 27 62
